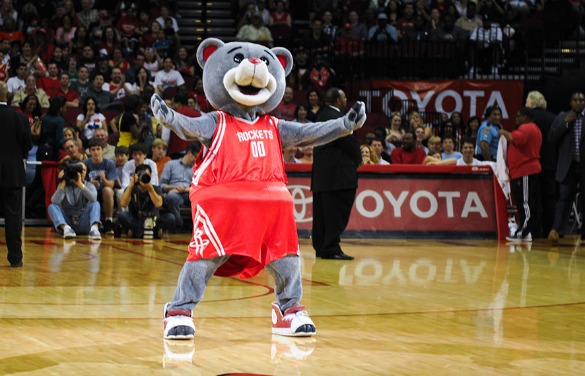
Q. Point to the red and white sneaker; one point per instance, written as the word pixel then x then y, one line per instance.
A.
pixel 178 324
pixel 295 322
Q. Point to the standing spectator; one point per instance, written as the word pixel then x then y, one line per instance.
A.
pixel 137 63
pixel 71 96
pixel 52 137
pixel 406 22
pixel 333 182
pixel 175 181
pixel 14 148
pixel 168 77
pixel 487 135
pixel 408 153
pixel 316 42
pixel 470 21
pixel 548 155
pixel 486 47
pixel 524 165
pixel 377 145
pixel 566 134
pixel 358 30
pixel 50 84
pixel 130 28
pixel 165 15
pixel 101 172
pixel 74 208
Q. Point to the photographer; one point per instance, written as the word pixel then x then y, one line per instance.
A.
pixel 143 201
pixel 74 208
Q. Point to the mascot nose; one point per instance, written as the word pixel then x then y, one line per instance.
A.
pixel 254 60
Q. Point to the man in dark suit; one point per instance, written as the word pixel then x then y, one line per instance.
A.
pixel 333 182
pixel 548 160
pixel 566 134
pixel 15 144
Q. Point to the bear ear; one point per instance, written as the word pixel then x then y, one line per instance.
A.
pixel 206 49
pixel 285 58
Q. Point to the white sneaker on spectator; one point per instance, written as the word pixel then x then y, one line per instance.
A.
pixel 68 232
pixel 94 233
pixel 495 71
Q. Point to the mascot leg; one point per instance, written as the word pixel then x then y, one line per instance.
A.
pixel 178 323
pixel 289 318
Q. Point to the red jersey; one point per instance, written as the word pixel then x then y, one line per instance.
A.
pixel 524 153
pixel 51 86
pixel 240 204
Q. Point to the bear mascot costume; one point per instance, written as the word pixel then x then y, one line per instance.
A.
pixel 243 214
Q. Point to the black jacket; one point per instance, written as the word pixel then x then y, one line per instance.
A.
pixel 562 137
pixel 335 164
pixel 15 144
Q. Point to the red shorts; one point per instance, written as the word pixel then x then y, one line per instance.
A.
pixel 252 221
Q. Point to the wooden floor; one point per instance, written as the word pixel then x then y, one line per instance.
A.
pixel 402 307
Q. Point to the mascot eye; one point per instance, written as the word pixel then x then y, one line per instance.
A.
pixel 238 58
pixel 265 60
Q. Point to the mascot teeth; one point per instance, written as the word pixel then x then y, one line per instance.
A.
pixel 250 83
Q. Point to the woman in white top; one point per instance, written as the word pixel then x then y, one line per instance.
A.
pixel 142 80
pixel 152 62
pixel 90 119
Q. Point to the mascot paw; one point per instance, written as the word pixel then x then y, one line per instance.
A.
pixel 160 110
pixel 356 116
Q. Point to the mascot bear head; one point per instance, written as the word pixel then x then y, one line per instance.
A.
pixel 243 79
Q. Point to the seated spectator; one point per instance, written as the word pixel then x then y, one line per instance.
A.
pixel 66 32
pixel 408 153
pixel 139 152
pixel 175 181
pixel 331 30
pixel 184 63
pixel 286 108
pixel 377 145
pixel 109 42
pixel 73 152
pixel 102 67
pixel 130 130
pixel 396 129
pixel 406 21
pixel 449 148
pixel 419 134
pixel 83 83
pixel 435 145
pixel 141 80
pixel 358 29
pixel 470 21
pixel 246 18
pixel 87 16
pixel 70 133
pixel 152 61
pixel 143 198
pixel 159 154
pixel 486 47
pixel 177 145
pixel 280 24
pixel 448 31
pixel 301 112
pixel 165 15
pixel 90 119
pixel 256 32
pixel 314 100
pixel 168 77
pixel 30 89
pixel 122 156
pixel 74 208
pixel 289 154
pixel 71 96
pixel 80 42
pixel 4 74
pixel 368 155
pixel 162 44
pixel 17 82
pixel 88 59
pixel 383 32
pixel 467 151
pixel 101 172
pixel 316 42
pixel 116 84
pixel 472 127
pixel 101 97
pixel 11 32
pixel 199 94
pixel 109 150
pixel 130 28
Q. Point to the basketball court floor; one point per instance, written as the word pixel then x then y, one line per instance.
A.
pixel 402 307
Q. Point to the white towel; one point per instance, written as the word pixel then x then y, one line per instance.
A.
pixel 501 170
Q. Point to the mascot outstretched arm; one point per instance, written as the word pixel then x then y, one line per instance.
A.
pixel 243 215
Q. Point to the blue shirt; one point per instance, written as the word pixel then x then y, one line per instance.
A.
pixel 176 173
pixel 489 133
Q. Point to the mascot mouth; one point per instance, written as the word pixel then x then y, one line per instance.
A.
pixel 249 90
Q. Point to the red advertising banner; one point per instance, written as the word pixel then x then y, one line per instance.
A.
pixel 432 204
pixel 468 97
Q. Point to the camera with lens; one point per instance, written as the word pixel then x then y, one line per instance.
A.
pixel 143 177
pixel 71 170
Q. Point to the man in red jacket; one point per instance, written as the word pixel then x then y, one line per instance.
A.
pixel 408 153
pixel 524 166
